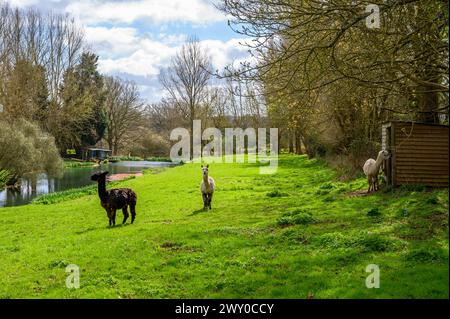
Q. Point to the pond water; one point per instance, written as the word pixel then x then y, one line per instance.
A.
pixel 72 178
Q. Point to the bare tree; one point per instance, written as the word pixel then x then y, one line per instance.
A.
pixel 124 110
pixel 53 41
pixel 187 78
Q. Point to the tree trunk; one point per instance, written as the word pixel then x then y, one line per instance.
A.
pixel 428 104
pixel 298 143
pixel 191 124
pixel 291 143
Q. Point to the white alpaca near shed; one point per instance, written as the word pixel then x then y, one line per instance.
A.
pixel 371 169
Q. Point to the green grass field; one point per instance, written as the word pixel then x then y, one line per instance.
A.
pixel 294 234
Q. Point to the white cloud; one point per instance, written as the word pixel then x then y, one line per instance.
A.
pixel 27 3
pixel 157 11
pixel 225 52
pixel 124 50
pixel 112 41
pixel 140 63
pixel 22 3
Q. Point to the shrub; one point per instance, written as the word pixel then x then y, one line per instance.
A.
pixel 26 149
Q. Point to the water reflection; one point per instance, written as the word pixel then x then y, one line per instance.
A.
pixel 71 178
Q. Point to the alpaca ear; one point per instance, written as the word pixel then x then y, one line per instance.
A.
pixel 207 165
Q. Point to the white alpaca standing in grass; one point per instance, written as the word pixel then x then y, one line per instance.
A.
pixel 371 169
pixel 207 187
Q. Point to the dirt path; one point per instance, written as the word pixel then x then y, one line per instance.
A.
pixel 119 177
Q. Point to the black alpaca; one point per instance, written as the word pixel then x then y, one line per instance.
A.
pixel 114 199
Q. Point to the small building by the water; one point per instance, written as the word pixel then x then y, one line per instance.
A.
pixel 91 153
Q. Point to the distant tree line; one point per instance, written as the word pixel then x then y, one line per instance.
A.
pixel 329 80
pixel 193 92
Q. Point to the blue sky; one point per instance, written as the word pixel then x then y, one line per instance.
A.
pixel 135 39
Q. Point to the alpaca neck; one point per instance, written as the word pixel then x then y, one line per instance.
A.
pixel 102 188
pixel 206 181
pixel 378 162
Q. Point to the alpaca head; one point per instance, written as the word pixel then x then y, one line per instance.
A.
pixel 205 170
pixel 383 154
pixel 99 176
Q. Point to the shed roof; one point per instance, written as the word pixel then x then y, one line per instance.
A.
pixel 413 122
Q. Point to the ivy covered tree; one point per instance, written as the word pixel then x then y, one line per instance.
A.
pixel 25 93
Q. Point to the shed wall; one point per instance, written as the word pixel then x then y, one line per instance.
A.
pixel 421 154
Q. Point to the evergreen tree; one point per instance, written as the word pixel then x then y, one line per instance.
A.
pixel 83 99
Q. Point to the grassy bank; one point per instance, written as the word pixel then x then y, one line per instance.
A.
pixel 158 159
pixel 294 234
pixel 74 164
pixel 137 158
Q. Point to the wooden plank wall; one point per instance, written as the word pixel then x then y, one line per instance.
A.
pixel 421 154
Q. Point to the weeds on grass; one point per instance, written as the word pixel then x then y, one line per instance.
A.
pixel 424 255
pixel 296 217
pixel 276 193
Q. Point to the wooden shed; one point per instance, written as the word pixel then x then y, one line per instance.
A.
pixel 419 153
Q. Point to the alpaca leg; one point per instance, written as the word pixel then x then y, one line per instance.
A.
pixel 109 214
pixel 125 214
pixel 114 217
pixel 133 212
pixel 205 200
pixel 369 181
pixel 209 200
pixel 377 185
